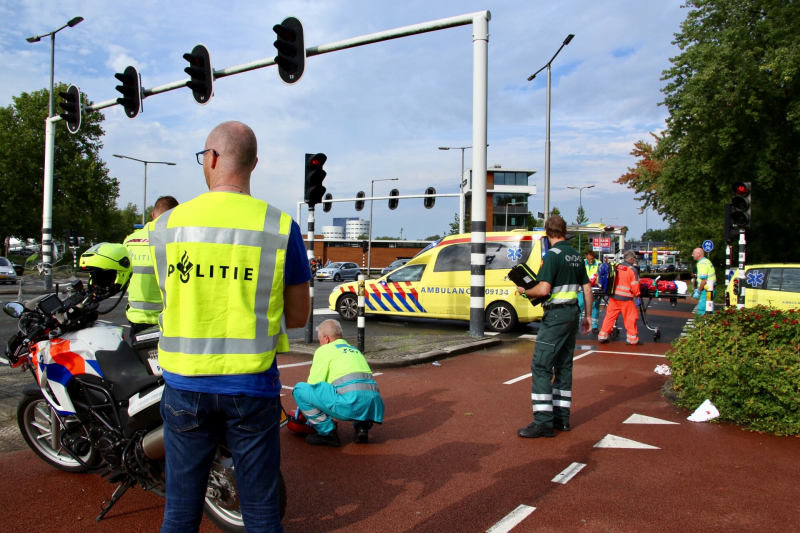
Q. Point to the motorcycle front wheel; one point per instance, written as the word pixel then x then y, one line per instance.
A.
pixel 222 503
pixel 41 430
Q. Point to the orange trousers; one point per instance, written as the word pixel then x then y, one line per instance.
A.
pixel 629 316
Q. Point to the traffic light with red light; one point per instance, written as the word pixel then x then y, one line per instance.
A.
pixel 314 191
pixel 72 106
pixel 131 89
pixel 741 202
pixel 291 58
pixel 430 200
pixel 393 202
pixel 199 69
pixel 360 203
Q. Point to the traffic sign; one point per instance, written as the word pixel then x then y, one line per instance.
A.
pixel 708 246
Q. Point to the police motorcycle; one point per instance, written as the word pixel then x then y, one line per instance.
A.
pixel 94 405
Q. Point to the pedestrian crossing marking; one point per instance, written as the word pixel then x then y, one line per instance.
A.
pixel 512 519
pixel 568 473
pixel 642 419
pixel 612 441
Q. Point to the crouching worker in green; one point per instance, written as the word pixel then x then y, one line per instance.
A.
pixel 340 386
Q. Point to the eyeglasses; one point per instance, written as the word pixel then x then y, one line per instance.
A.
pixel 204 152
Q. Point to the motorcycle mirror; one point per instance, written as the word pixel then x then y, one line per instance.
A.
pixel 13 309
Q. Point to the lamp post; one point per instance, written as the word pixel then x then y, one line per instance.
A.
pixel 580 204
pixel 460 184
pixel 144 200
pixel 547 132
pixel 369 249
pixel 74 22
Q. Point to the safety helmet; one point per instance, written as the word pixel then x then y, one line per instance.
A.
pixel 109 267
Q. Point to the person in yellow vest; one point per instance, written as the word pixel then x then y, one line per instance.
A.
pixel 591 270
pixel 705 274
pixel 233 275
pixel 144 298
pixel 340 385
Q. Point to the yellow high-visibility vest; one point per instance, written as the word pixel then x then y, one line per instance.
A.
pixel 144 298
pixel 220 262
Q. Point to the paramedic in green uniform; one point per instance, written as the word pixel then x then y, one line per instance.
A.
pixel 340 385
pixel 561 277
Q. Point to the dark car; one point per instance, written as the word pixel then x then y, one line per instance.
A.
pixel 394 266
pixel 669 268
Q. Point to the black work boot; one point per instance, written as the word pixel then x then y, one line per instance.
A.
pixel 331 439
pixel 561 426
pixel 361 429
pixel 534 431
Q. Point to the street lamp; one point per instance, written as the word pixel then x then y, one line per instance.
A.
pixel 547 133
pixel 369 250
pixel 580 200
pixel 460 184
pixel 74 22
pixel 144 201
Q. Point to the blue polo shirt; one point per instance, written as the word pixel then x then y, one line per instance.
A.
pixel 266 384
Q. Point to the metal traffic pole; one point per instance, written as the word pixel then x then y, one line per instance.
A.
pixel 742 243
pixel 361 322
pixel 310 256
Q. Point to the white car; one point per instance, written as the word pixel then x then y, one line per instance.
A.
pixel 7 273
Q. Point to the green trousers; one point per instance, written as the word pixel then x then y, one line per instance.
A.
pixel 551 390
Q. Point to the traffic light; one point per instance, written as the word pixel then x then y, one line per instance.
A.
pixel 202 82
pixel 429 201
pixel 131 90
pixel 364 246
pixel 314 190
pixel 72 106
pixel 740 214
pixel 360 203
pixel 291 58
pixel 73 237
pixel 326 206
pixel 726 230
pixel 393 202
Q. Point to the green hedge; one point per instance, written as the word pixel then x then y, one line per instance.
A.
pixel 747 362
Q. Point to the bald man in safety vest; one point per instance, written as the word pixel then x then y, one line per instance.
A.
pixel 705 275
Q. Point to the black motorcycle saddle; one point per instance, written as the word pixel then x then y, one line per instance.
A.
pixel 123 368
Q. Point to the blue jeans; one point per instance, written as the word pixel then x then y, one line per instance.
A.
pixel 194 425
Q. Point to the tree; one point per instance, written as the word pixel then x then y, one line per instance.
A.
pixel 555 212
pixel 454 226
pixel 363 237
pixel 387 238
pixel 432 238
pixel 733 95
pixel 582 218
pixel 661 235
pixel 82 189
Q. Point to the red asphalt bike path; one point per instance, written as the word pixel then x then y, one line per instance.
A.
pixel 448 459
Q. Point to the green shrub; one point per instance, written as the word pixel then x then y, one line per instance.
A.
pixel 747 362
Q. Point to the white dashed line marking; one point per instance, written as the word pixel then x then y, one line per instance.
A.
pixel 590 352
pixel 568 473
pixel 304 363
pixel 287 387
pixel 512 519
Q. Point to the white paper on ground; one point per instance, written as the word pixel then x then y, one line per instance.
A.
pixel 704 413
pixel 663 370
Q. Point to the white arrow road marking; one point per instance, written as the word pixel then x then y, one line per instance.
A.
pixel 612 441
pixel 642 419
pixel 512 519
pixel 568 473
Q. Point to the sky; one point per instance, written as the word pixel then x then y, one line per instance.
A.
pixel 377 111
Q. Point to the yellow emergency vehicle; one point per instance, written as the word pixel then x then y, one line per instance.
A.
pixel 774 285
pixel 436 282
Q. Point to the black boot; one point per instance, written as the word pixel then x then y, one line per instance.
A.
pixel 361 432
pixel 533 431
pixel 331 439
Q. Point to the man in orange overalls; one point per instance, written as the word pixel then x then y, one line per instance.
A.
pixel 626 290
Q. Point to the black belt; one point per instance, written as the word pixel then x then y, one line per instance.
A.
pixel 559 306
